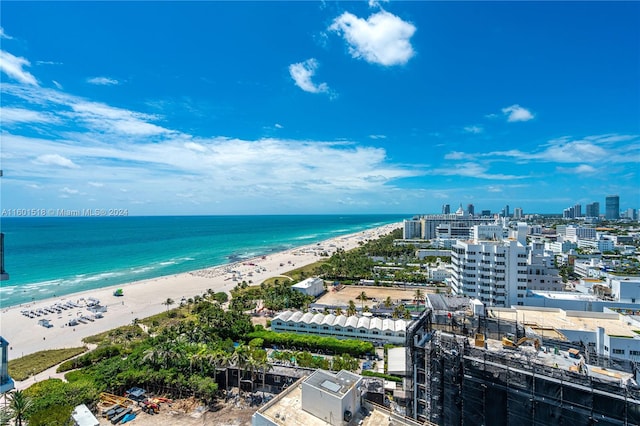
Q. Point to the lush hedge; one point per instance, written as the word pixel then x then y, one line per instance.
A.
pixel 382 376
pixel 313 343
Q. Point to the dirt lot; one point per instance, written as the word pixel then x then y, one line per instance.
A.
pixel 189 412
pixel 374 295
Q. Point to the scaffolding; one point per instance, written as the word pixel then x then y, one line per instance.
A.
pixel 455 383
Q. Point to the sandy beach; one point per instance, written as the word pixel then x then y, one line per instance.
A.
pixel 145 298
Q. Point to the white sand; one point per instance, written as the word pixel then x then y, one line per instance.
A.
pixel 145 298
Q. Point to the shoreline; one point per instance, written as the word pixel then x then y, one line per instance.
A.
pixel 145 298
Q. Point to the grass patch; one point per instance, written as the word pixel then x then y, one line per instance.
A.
pixel 297 274
pixel 125 335
pixel 22 368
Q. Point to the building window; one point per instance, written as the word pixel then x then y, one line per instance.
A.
pixel 276 379
pixel 618 351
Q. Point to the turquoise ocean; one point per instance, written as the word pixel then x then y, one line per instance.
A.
pixel 52 257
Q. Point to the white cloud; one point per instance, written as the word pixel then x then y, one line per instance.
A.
pixel 58 85
pixel 5 35
pixel 597 149
pixel 55 160
pixel 107 118
pixel 195 147
pixel 278 126
pixel 473 129
pixel 582 169
pixel 12 66
pixel 457 155
pixel 103 81
pixel 376 3
pixel 517 113
pixel 302 74
pixel 69 191
pixel 96 184
pixel 473 170
pixel 11 115
pixel 383 38
pixel 377 136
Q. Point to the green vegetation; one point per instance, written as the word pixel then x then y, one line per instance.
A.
pixel 308 360
pixel 382 376
pixel 22 368
pixel 277 296
pixel 314 343
pixel 53 400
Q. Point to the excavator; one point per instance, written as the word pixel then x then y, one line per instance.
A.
pixel 508 342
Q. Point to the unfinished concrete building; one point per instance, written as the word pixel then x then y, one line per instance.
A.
pixel 475 380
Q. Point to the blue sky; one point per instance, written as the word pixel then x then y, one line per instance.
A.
pixel 319 107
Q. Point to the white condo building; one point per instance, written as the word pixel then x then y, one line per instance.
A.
pixel 495 272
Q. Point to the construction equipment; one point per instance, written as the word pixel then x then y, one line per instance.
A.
pixel 508 343
pixel 109 398
pixel 149 407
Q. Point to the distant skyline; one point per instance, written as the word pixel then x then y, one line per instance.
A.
pixel 319 107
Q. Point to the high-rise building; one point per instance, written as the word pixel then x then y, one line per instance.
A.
pixel 412 229
pixel 446 209
pixel 517 213
pixel 506 211
pixel 486 213
pixel 470 210
pixel 612 207
pixel 593 209
pixel 577 210
pixel 495 272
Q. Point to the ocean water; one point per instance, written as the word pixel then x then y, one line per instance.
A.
pixel 51 257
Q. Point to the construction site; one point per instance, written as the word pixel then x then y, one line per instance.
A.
pixel 478 371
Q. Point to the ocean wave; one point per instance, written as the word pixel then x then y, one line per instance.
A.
pixel 142 269
pixel 306 237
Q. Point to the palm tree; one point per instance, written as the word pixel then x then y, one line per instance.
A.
pixel 19 404
pixel 168 302
pixel 240 359
pixel 351 310
pixel 338 311
pixel 225 359
pixel 362 297
pixel 418 296
pixel 388 303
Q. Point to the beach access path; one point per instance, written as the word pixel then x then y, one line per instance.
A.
pixel 142 299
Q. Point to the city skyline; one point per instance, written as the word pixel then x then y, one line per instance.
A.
pixel 315 107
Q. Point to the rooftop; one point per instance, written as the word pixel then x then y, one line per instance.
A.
pixel 548 319
pixel 337 384
pixel 286 409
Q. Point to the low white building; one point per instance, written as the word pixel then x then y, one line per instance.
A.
pixel 82 416
pixel 372 329
pixel 625 289
pixel 311 286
